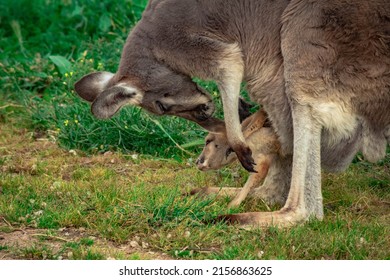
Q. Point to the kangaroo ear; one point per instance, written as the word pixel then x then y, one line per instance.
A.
pixel 114 98
pixel 91 85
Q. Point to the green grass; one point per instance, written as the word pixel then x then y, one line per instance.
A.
pixel 82 188
pixel 83 36
pixel 119 200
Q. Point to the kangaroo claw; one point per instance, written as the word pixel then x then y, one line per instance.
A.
pixel 244 155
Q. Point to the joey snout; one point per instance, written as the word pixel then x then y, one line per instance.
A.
pixel 201 163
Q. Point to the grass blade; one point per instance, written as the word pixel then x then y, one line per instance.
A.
pixel 63 65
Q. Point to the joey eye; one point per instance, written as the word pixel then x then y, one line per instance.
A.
pixel 228 152
pixel 208 142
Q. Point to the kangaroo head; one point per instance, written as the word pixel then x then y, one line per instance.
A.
pixel 159 90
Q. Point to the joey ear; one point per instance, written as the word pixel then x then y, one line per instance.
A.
pixel 114 98
pixel 91 85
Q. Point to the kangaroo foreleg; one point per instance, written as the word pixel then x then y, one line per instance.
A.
pixel 231 67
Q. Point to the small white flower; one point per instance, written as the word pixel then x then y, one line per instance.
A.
pixel 260 254
pixel 38 213
pixel 134 156
pixel 55 185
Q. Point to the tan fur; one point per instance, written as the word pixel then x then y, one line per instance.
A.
pixel 264 145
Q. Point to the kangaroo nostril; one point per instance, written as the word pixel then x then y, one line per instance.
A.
pixel 204 107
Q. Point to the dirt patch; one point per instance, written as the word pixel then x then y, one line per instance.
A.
pixel 29 243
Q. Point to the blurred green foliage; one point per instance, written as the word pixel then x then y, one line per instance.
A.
pixel 46 46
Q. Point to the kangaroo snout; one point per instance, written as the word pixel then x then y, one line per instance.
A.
pixel 204 111
pixel 207 110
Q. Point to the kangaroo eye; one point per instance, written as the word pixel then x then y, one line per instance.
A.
pixel 229 151
pixel 208 142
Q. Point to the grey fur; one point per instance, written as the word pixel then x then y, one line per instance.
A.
pixel 321 70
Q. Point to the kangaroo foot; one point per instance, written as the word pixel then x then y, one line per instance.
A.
pixel 283 218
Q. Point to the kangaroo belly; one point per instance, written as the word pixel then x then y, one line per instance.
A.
pixel 345 133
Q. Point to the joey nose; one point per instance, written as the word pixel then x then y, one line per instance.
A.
pixel 200 163
pixel 200 160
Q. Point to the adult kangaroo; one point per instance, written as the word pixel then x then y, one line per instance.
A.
pixel 321 70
